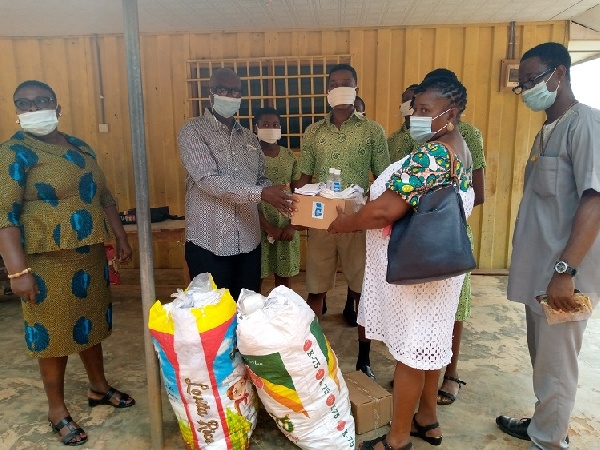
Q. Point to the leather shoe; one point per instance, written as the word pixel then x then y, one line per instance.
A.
pixel 367 371
pixel 515 427
pixel 350 316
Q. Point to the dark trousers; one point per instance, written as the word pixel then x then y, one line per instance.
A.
pixel 235 272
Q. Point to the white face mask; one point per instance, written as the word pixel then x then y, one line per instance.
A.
pixel 406 109
pixel 39 123
pixel 341 96
pixel 360 113
pixel 268 135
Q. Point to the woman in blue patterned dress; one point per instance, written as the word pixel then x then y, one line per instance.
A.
pixel 414 321
pixel 55 213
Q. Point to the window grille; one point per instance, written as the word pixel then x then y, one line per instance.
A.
pixel 295 86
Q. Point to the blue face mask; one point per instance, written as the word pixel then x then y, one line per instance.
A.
pixel 420 127
pixel 226 106
pixel 539 98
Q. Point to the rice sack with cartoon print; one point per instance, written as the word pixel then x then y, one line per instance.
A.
pixel 294 369
pixel 204 375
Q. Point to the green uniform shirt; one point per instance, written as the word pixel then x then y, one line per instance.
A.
pixel 401 144
pixel 358 148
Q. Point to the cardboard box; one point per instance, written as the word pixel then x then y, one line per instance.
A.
pixel 371 404
pixel 315 211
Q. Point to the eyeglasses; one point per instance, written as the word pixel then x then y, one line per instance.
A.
pixel 518 90
pixel 24 104
pixel 221 90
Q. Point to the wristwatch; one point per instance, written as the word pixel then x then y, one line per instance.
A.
pixel 564 267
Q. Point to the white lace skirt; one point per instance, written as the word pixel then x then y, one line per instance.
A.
pixel 415 321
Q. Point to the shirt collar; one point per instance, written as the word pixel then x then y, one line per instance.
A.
pixel 353 117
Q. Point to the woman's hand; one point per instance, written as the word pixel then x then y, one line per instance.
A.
pixel 287 234
pixel 342 223
pixel 25 287
pixel 124 249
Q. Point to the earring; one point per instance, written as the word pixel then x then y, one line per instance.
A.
pixel 450 126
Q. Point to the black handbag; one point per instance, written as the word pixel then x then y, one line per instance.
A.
pixel 431 243
pixel 159 214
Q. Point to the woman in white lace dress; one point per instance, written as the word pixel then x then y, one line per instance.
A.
pixel 414 321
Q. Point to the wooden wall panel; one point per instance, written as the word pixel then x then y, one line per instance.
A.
pixel 387 60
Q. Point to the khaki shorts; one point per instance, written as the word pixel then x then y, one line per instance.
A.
pixel 322 251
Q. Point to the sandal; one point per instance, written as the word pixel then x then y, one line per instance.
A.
pixel 422 430
pixel 105 400
pixel 370 445
pixel 448 395
pixel 74 431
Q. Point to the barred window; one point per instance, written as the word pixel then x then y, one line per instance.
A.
pixel 294 86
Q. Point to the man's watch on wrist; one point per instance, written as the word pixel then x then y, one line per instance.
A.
pixel 562 266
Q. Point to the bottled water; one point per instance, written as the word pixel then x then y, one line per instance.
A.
pixel 334 181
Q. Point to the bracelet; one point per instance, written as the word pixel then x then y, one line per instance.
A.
pixel 17 275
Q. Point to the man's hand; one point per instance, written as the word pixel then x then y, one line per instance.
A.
pixel 281 200
pixel 287 234
pixel 560 292
pixel 275 233
pixel 25 287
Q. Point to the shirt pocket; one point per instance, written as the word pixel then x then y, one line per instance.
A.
pixel 545 180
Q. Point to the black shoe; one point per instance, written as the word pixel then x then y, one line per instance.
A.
pixel 350 316
pixel 515 427
pixel 324 308
pixel 367 371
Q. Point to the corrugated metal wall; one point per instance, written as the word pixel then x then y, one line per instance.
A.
pixel 386 59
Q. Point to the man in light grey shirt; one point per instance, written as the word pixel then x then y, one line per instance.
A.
pixel 555 244
pixel 225 182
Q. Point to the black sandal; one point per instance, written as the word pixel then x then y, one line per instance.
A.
pixel 448 395
pixel 370 445
pixel 74 432
pixel 105 400
pixel 422 430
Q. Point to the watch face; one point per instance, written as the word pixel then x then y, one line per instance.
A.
pixel 560 267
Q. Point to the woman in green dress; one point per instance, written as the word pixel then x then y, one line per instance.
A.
pixel 280 244
pixel 55 213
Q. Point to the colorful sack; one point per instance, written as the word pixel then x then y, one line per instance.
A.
pixel 294 369
pixel 204 376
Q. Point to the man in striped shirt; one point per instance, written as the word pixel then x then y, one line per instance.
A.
pixel 225 182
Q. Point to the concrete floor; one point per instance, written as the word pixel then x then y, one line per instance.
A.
pixel 494 362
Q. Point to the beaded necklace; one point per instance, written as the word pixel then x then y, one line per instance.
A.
pixel 541 146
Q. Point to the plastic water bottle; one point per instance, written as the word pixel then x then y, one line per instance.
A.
pixel 334 181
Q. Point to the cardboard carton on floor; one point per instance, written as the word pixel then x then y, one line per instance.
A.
pixel 315 211
pixel 371 404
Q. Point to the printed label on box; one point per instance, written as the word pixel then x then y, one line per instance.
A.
pixel 318 210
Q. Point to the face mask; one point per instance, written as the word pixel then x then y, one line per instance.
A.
pixel 360 113
pixel 341 96
pixel 405 109
pixel 420 127
pixel 39 123
pixel 268 135
pixel 226 106
pixel 539 98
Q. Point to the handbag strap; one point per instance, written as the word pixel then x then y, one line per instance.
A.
pixel 452 156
